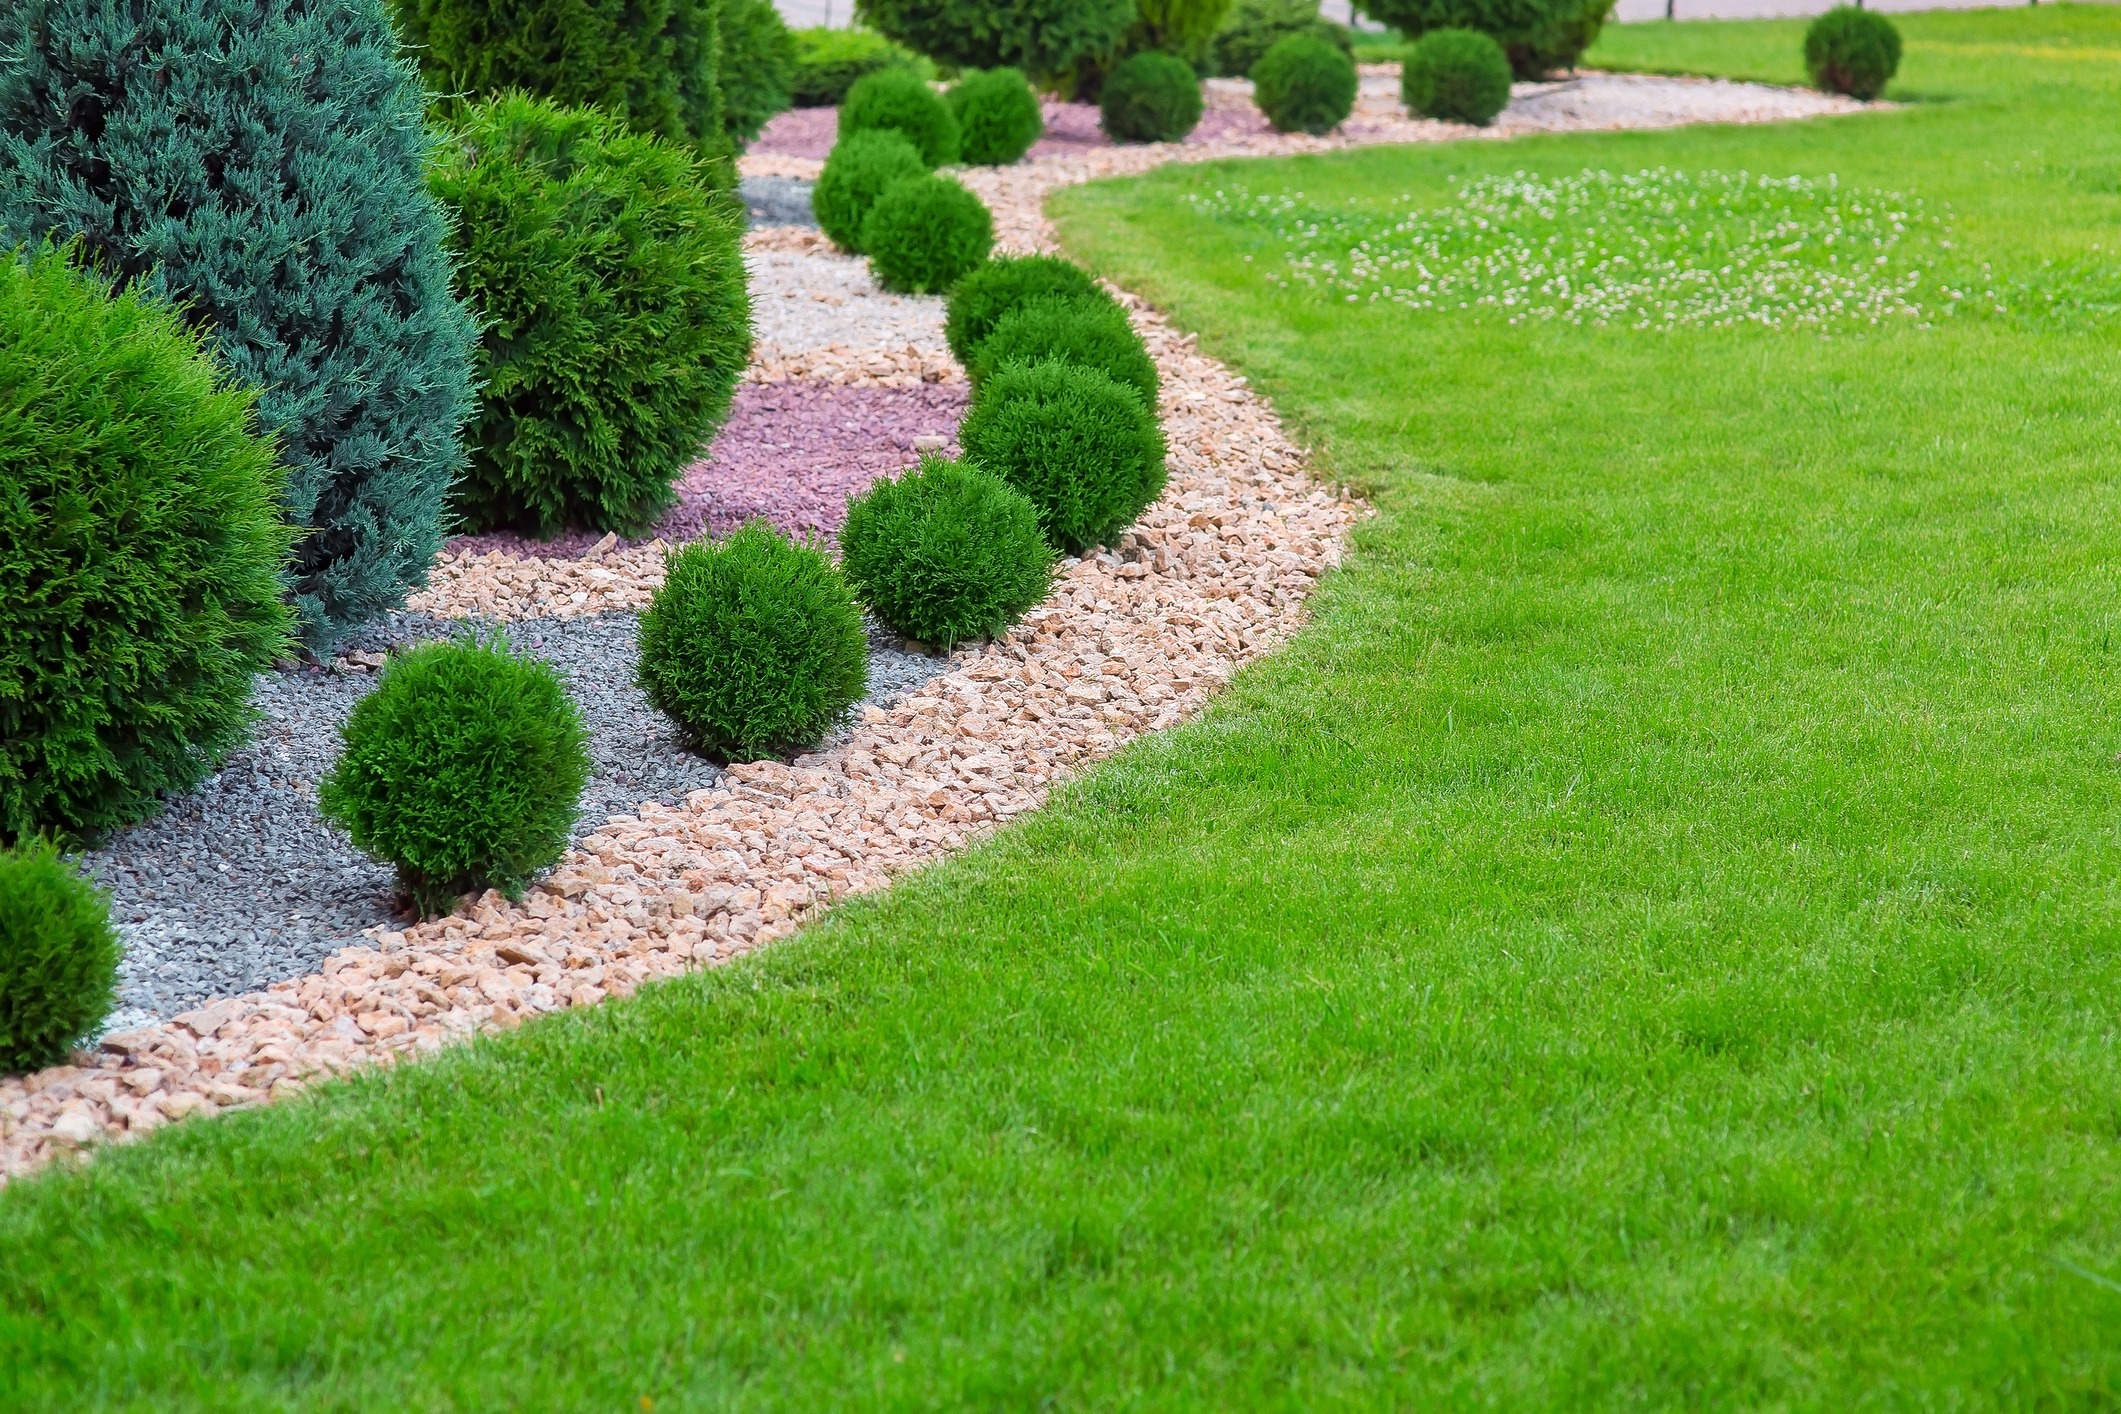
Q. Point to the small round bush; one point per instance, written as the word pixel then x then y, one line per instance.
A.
pixel 828 61
pixel 1252 27
pixel 1150 98
pixel 1304 84
pixel 925 233
pixel 1082 447
pixel 1852 51
pixel 1091 332
pixel 978 302
pixel 901 100
pixel 856 172
pixel 1456 76
pixel 141 548
pixel 464 768
pixel 608 274
pixel 58 957
pixel 753 646
pixel 998 116
pixel 945 552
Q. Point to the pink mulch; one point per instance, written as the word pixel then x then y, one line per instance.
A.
pixel 791 452
pixel 1070 127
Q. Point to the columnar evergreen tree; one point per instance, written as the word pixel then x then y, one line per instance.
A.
pixel 260 162
pixel 649 62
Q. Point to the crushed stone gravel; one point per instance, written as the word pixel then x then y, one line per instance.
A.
pixel 777 201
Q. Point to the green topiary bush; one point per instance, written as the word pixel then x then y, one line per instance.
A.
pixel 1150 98
pixel 1255 26
pixel 464 768
pixel 140 554
pixel 1304 85
pixel 925 233
pixel 610 278
pixel 828 61
pixel 753 646
pixel 1457 76
pixel 856 172
pixel 901 100
pixel 978 302
pixel 1852 51
pixel 998 116
pixel 261 163
pixel 58 958
pixel 1536 35
pixel 945 553
pixel 755 67
pixel 650 63
pixel 1182 28
pixel 1044 38
pixel 1091 332
pixel 1082 447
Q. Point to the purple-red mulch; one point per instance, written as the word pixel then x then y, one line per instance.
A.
pixel 1070 127
pixel 791 452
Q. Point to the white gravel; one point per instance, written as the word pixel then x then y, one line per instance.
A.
pixel 801 303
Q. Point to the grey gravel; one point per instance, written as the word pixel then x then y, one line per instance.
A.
pixel 777 201
pixel 241 883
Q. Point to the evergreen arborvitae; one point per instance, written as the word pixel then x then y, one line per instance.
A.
pixel 649 62
pixel 261 163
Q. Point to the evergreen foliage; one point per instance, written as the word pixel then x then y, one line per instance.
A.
pixel 925 233
pixel 261 163
pixel 828 61
pixel 998 116
pixel 856 172
pixel 58 957
pixel 1255 26
pixel 978 302
pixel 464 768
pixel 1150 98
pixel 1092 332
pixel 649 62
pixel 1536 35
pixel 753 645
pixel 1082 447
pixel 610 278
pixel 1852 51
pixel 1044 38
pixel 1304 84
pixel 754 67
pixel 140 554
pixel 1180 27
pixel 1456 75
pixel 901 100
pixel 946 552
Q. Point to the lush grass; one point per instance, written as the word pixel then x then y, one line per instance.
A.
pixel 1652 942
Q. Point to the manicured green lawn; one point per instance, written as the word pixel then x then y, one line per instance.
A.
pixel 1656 941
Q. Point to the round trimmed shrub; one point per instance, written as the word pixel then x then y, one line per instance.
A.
pixel 1304 85
pixel 58 957
pixel 1254 26
pixel 464 768
pixel 141 549
pixel 901 100
pixel 753 646
pixel 998 116
pixel 1852 51
pixel 1150 98
pixel 856 172
pixel 1456 76
pixel 1082 447
pixel 978 302
pixel 1044 38
pixel 925 233
pixel 828 61
pixel 754 68
pixel 610 278
pixel 1091 332
pixel 261 164
pixel 1537 35
pixel 945 553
